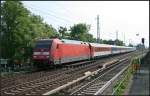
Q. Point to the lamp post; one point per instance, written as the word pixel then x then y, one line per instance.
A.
pixel 143 47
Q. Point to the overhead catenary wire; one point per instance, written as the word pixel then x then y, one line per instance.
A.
pixel 50 14
pixel 66 9
pixel 54 13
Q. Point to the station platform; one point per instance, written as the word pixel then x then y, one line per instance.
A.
pixel 139 84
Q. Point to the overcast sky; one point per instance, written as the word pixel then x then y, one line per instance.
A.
pixel 126 17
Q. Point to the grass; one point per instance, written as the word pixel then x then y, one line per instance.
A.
pixel 122 84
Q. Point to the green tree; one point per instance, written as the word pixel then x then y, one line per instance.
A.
pixel 115 42
pixel 78 31
pixel 88 37
pixel 130 45
pixel 67 35
pixel 62 31
pixel 39 29
pixel 119 43
pixel 94 40
pixel 14 22
pixel 20 29
pixel 110 42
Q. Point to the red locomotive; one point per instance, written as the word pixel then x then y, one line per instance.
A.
pixel 56 51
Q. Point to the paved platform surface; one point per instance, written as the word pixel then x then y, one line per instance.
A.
pixel 140 83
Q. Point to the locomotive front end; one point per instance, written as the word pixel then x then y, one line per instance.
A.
pixel 42 52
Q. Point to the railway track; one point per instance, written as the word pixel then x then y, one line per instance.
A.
pixel 54 80
pixel 16 80
pixel 66 88
pixel 92 87
pixel 51 80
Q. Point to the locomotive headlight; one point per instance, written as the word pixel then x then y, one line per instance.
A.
pixel 47 56
pixel 45 53
pixel 34 56
pixel 36 53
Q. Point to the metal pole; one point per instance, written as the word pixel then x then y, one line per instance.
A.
pixel 116 36
pixel 124 39
pixel 143 50
pixel 98 30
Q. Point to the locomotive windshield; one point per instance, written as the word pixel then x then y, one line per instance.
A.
pixel 44 44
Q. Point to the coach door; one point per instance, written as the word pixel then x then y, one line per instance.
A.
pixel 90 50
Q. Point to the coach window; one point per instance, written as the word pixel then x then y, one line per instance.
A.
pixel 97 49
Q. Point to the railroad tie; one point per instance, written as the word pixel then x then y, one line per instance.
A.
pixel 9 93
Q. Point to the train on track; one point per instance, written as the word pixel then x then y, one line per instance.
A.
pixel 60 51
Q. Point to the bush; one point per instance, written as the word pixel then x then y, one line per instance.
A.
pixel 135 61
